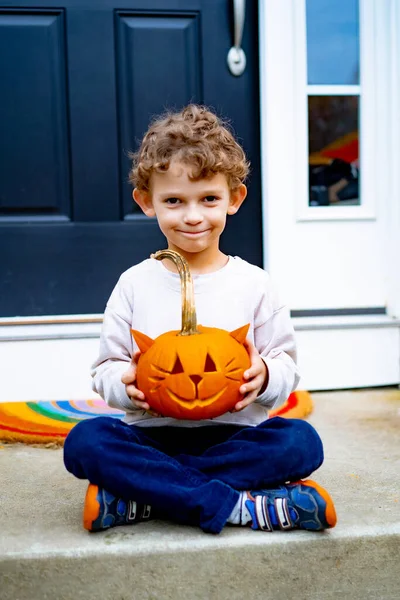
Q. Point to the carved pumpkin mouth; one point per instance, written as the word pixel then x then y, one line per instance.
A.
pixel 196 402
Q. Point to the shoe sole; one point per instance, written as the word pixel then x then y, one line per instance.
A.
pixel 330 511
pixel 92 507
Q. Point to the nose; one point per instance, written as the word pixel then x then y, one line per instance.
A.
pixel 195 378
pixel 193 215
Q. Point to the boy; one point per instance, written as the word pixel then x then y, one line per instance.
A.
pixel 240 468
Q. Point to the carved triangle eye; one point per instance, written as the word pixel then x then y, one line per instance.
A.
pixel 209 367
pixel 178 368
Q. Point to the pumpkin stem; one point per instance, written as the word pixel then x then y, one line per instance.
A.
pixel 189 321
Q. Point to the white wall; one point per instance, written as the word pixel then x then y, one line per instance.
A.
pixel 333 353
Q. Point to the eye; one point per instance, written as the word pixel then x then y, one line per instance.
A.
pixel 172 201
pixel 178 368
pixel 209 367
pixel 209 199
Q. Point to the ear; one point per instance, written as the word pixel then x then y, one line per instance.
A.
pixel 240 334
pixel 143 199
pixel 143 341
pixel 236 199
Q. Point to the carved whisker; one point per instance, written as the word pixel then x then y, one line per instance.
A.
pixel 238 378
pixel 155 388
pixel 230 362
pixel 160 369
pixel 234 372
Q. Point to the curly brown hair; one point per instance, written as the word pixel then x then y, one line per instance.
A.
pixel 194 136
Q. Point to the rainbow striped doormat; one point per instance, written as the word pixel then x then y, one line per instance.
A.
pixel 48 422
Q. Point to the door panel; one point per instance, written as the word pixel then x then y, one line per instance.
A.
pixel 79 87
pixel 33 124
pixel 72 261
pixel 93 113
pixel 173 65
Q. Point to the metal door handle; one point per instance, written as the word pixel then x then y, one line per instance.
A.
pixel 236 57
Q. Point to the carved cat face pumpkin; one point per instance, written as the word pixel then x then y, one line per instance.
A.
pixel 192 376
pixel 194 373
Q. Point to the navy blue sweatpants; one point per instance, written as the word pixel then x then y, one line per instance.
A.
pixel 191 475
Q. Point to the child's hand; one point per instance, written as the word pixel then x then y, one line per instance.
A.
pixel 256 375
pixel 137 397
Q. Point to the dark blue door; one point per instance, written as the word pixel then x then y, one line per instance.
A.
pixel 78 85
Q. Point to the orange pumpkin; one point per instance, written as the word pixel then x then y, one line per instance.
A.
pixel 194 373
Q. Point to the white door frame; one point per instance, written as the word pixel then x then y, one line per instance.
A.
pixel 353 351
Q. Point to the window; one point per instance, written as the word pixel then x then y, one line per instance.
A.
pixel 333 100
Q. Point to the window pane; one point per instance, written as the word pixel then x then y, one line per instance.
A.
pixel 332 42
pixel 333 150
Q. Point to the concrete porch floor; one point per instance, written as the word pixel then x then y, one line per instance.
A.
pixel 45 554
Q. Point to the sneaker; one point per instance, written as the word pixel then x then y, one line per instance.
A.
pixel 103 510
pixel 300 505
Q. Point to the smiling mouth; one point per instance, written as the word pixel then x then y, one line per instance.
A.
pixel 196 401
pixel 193 232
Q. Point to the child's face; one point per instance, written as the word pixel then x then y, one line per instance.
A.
pixel 191 214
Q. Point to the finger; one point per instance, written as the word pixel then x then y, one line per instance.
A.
pixel 136 356
pixel 254 384
pixel 141 405
pixel 134 393
pixel 252 372
pixel 250 347
pixel 258 370
pixel 254 356
pixel 129 375
pixel 249 399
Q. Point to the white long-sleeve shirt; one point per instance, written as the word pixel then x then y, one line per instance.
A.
pixel 147 298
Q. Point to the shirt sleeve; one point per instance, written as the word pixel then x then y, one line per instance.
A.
pixel 115 350
pixel 274 339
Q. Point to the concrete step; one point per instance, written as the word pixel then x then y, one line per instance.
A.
pixel 45 554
